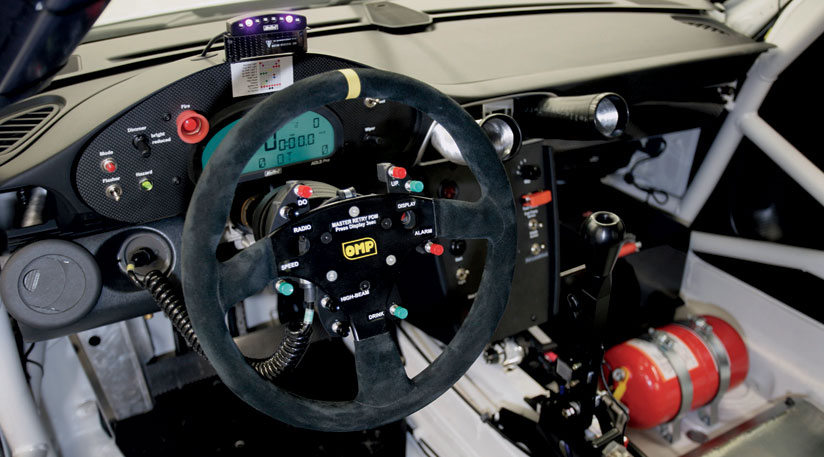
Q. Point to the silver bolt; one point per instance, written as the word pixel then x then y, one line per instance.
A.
pixel 331 275
pixel 568 412
pixel 665 341
pixel 390 260
pixel 341 328
pixel 372 102
pixel 354 211
pixel 619 374
pixel 325 301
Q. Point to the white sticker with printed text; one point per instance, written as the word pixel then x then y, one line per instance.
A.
pixel 262 76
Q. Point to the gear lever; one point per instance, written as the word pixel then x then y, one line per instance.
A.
pixel 604 233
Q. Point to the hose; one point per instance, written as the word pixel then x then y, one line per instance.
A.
pixel 167 296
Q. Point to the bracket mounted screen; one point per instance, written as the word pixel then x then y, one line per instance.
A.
pixel 264 34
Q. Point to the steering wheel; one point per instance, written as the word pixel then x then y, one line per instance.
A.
pixel 363 285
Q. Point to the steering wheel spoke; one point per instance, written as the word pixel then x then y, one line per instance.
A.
pixel 382 378
pixel 467 220
pixel 246 274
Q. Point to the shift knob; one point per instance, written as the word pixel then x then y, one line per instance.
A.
pixel 604 232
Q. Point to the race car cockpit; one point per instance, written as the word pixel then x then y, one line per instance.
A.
pixel 387 228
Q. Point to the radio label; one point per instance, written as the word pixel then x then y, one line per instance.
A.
pixel 302 228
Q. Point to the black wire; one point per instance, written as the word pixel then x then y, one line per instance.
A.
pixel 764 30
pixel 211 43
pixel 29 361
pixel 28 351
pixel 653 192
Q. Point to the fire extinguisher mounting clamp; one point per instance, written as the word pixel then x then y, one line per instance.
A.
pixel 677 368
pixel 672 429
pixel 709 413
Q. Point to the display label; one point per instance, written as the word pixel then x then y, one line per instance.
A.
pixel 261 76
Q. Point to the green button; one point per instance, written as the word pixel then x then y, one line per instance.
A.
pixel 399 311
pixel 146 185
pixel 284 287
pixel 414 186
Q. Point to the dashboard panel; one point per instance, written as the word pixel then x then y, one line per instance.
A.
pixel 141 168
pixel 117 124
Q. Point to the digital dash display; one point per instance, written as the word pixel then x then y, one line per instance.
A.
pixel 309 136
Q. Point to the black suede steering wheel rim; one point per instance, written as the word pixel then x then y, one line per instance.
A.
pixel 211 287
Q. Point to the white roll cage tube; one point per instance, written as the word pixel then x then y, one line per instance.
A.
pixel 800 24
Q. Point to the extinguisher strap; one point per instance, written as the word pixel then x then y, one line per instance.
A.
pixel 716 347
pixel 665 344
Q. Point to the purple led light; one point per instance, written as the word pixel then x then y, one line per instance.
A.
pixel 248 22
pixel 289 19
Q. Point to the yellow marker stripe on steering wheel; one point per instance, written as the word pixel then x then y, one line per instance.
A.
pixel 353 81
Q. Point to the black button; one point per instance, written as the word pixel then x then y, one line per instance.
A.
pixel 457 247
pixel 530 172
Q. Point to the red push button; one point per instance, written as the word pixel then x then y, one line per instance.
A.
pixel 192 127
pixel 433 248
pixel 536 199
pixel 303 191
pixel 397 172
pixel 109 165
pixel 550 356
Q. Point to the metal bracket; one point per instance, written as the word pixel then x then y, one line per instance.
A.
pixel 709 412
pixel 671 430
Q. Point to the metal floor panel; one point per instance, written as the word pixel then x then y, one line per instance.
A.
pixel 794 427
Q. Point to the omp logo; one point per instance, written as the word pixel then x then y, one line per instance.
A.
pixel 358 249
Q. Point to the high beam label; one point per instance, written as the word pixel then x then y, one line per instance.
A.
pixel 358 249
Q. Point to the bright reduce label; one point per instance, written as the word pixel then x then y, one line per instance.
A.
pixel 309 136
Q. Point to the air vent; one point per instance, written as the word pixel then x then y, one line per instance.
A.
pixel 705 26
pixel 702 23
pixel 16 129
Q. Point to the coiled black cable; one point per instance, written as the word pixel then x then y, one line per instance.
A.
pixel 289 354
pixel 168 297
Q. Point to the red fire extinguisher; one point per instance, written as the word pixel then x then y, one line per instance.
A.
pixel 645 371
